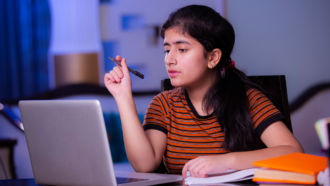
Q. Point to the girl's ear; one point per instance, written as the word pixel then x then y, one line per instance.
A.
pixel 214 58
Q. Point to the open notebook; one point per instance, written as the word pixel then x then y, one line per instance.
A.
pixel 216 178
pixel 68 145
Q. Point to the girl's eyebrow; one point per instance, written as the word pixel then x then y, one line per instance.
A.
pixel 177 42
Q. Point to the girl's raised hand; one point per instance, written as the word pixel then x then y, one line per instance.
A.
pixel 202 165
pixel 118 80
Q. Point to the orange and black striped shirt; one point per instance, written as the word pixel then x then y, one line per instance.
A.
pixel 190 135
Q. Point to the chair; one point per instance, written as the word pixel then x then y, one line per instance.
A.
pixel 275 86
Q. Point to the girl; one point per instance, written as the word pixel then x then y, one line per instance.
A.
pixel 215 119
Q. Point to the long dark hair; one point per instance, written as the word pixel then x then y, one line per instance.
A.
pixel 227 96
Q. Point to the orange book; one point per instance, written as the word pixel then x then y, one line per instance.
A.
pixel 291 168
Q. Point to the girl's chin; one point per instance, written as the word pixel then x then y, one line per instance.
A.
pixel 176 83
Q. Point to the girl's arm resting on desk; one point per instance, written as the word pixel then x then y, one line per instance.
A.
pixel 276 137
pixel 144 155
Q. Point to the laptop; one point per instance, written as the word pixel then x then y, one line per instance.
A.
pixel 68 145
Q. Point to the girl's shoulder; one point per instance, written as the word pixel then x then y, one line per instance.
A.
pixel 257 98
pixel 252 92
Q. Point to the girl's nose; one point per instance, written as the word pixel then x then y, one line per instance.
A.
pixel 170 58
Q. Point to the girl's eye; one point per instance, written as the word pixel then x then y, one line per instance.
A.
pixel 166 51
pixel 183 50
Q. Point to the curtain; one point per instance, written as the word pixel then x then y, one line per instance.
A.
pixel 24 43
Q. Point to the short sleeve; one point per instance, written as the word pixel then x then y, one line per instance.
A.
pixel 155 117
pixel 263 112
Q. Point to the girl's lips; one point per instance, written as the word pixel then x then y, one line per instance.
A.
pixel 173 73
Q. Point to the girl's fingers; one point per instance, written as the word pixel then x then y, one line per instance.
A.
pixel 107 78
pixel 118 71
pixel 123 63
pixel 195 167
pixel 117 79
pixel 184 172
pixel 187 167
pixel 200 170
pixel 118 58
pixel 197 171
pixel 115 76
pixel 124 66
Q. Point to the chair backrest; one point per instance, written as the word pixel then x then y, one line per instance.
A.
pixel 275 86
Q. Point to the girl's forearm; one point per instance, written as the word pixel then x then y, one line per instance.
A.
pixel 244 160
pixel 138 148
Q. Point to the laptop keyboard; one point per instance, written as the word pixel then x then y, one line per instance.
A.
pixel 121 180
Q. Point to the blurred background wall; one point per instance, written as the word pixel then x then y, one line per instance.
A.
pixel 272 37
pixel 283 37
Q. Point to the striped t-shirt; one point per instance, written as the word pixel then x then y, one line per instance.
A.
pixel 190 135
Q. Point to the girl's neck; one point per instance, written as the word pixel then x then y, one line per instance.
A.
pixel 196 95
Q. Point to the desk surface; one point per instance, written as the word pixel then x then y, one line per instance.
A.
pixel 30 182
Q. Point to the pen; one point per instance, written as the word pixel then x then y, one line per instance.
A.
pixel 138 74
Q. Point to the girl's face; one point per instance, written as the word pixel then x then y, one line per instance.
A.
pixel 184 59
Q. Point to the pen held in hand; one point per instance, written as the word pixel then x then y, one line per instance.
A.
pixel 138 74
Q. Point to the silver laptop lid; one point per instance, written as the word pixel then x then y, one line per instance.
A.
pixel 68 145
pixel 67 142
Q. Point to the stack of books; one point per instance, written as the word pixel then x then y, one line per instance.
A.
pixel 297 168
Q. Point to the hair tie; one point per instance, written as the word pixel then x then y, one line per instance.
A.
pixel 231 64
